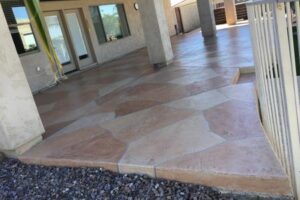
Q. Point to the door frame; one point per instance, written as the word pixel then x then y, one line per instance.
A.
pixel 66 39
pixel 179 20
pixel 87 41
pixel 61 13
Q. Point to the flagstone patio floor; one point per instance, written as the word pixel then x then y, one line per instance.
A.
pixel 187 121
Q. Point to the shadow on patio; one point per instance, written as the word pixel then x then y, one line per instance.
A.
pixel 187 121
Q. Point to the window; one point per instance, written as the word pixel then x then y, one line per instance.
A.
pixel 19 26
pixel 110 22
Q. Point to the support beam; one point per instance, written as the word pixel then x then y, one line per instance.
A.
pixel 156 31
pixel 20 123
pixel 230 12
pixel 207 18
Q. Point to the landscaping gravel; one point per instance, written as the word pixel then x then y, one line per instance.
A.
pixel 21 181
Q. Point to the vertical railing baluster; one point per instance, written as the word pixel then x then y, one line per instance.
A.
pixel 270 80
pixel 272 34
pixel 277 86
pixel 291 97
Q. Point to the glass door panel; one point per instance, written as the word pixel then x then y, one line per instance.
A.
pixel 78 37
pixel 59 43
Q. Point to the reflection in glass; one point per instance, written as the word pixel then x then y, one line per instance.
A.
pixel 98 24
pixel 111 21
pixel 58 40
pixel 76 35
pixel 20 15
pixel 23 38
pixel 27 37
pixel 20 28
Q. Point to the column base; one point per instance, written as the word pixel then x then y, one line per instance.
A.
pixel 23 148
pixel 231 23
pixel 163 64
pixel 205 36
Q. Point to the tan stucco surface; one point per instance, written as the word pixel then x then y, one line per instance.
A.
pixel 171 17
pixel 190 17
pixel 44 77
pixel 20 122
pixel 156 31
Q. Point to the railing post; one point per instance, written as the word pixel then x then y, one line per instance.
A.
pixel 290 89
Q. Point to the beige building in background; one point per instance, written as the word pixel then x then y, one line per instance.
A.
pixel 187 11
pixel 187 15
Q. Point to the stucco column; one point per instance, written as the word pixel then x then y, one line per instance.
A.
pixel 230 12
pixel 156 31
pixel 207 18
pixel 20 123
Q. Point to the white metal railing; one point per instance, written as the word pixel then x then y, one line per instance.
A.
pixel 275 33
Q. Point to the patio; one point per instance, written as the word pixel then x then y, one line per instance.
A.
pixel 188 121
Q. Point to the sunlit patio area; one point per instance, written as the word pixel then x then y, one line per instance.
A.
pixel 189 121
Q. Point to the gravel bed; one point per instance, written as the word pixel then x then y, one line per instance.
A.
pixel 21 181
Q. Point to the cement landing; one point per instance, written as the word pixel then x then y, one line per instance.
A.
pixel 186 122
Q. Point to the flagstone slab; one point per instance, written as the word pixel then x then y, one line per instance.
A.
pixel 243 92
pixel 134 126
pixel 199 76
pixel 257 165
pixel 181 138
pixel 92 146
pixel 202 101
pixel 234 119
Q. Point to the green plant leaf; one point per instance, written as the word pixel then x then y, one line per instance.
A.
pixel 34 8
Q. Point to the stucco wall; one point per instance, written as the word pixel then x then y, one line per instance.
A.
pixel 110 50
pixel 171 17
pixel 190 17
pixel 37 79
pixel 20 121
pixel 45 76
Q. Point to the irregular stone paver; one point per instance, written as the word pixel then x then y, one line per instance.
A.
pixel 234 119
pixel 227 163
pixel 187 136
pixel 134 126
pixel 201 101
pixel 90 146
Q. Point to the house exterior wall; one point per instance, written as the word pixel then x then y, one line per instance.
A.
pixel 39 72
pixel 110 50
pixel 189 14
pixel 190 17
pixel 171 17
pixel 37 79
pixel 20 122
